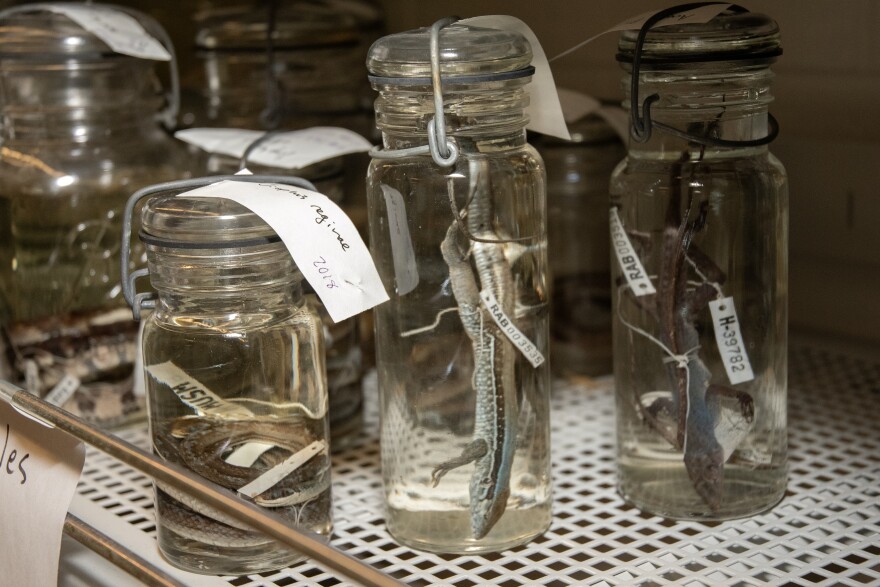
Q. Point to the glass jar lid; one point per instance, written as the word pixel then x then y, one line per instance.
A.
pixel 464 51
pixel 192 222
pixel 298 25
pixel 727 37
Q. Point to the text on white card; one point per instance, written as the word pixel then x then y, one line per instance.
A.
pixel 730 341
pixel 630 264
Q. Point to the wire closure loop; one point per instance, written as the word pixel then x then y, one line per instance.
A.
pixel 147 300
pixel 443 150
pixel 642 125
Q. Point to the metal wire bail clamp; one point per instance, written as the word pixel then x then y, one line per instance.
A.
pixel 147 300
pixel 443 150
pixel 642 126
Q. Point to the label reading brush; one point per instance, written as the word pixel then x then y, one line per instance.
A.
pixel 322 240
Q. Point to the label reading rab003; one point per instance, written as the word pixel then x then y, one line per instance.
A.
pixel 730 341
pixel 322 240
pixel 630 264
pixel 514 334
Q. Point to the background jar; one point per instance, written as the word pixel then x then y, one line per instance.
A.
pixel 232 325
pixel 451 385
pixel 578 173
pixel 79 134
pixel 708 221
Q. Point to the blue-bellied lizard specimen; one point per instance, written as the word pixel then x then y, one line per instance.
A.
pixel 693 407
pixel 494 437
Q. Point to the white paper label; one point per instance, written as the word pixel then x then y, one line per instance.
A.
pixel 577 105
pixel 699 15
pixel 630 264
pixel 286 150
pixel 122 32
pixel 544 110
pixel 194 394
pixel 274 475
pixel 730 341
pixel 519 340
pixel 39 470
pixel 406 271
pixel 322 240
pixel 63 390
pixel 247 454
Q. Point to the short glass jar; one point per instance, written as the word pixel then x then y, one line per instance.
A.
pixel 700 364
pixel 80 132
pixel 464 413
pixel 578 173
pixel 236 381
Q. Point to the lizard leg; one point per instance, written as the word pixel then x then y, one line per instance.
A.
pixel 473 451
pixel 746 403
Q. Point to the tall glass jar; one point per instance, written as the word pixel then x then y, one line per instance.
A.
pixel 578 173
pixel 700 215
pixel 464 413
pixel 79 133
pixel 235 381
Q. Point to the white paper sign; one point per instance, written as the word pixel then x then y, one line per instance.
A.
pixel 514 334
pixel 406 272
pixel 39 470
pixel 122 32
pixel 287 150
pixel 630 264
pixel 730 341
pixel 544 111
pixel 322 240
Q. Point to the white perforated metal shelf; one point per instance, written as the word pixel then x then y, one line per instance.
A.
pixel 826 531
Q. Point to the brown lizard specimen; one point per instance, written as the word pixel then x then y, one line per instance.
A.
pixel 694 406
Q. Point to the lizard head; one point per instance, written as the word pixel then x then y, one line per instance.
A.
pixel 706 470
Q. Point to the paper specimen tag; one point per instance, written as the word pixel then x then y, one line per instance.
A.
pixel 247 454
pixel 122 32
pixel 577 105
pixel 519 340
pixel 63 390
pixel 39 470
pixel 698 15
pixel 139 381
pixel 405 269
pixel 195 394
pixel 274 475
pixel 287 150
pixel 730 341
pixel 630 264
pixel 322 240
pixel 544 110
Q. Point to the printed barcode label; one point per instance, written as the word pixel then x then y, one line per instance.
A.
pixel 63 390
pixel 519 340
pixel 630 264
pixel 730 341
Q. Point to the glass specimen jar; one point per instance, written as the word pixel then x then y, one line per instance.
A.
pixel 699 224
pixel 464 400
pixel 342 340
pixel 578 173
pixel 235 380
pixel 79 133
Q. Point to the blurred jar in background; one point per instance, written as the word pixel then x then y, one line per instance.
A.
pixel 578 174
pixel 79 134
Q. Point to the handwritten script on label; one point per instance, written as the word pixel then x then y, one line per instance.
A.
pixel 39 470
pixel 630 264
pixel 314 229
